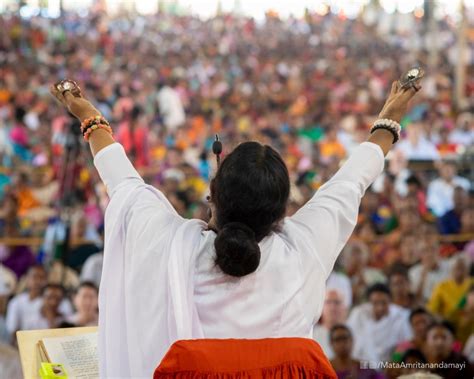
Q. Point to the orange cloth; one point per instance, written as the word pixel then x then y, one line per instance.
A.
pixel 282 358
pixel 332 149
pixel 26 201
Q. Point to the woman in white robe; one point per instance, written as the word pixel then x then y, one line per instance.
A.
pixel 167 278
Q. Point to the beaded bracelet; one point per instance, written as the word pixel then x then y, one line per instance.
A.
pixel 389 125
pixel 91 129
pixel 95 120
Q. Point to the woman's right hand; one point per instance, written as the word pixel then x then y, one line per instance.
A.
pixel 75 102
pixel 397 103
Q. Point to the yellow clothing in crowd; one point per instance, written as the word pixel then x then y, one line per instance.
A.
pixel 447 295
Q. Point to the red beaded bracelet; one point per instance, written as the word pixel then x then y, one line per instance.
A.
pixel 94 127
pixel 95 120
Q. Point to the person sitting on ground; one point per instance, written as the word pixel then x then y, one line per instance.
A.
pixel 343 362
pixel 378 325
pixel 22 305
pixel 463 317
pixel 425 275
pixel 420 320
pixel 441 190
pixel 355 259
pixel 400 287
pixel 450 222
pixel 439 349
pixel 334 312
pixel 46 314
pixel 448 293
pixel 86 304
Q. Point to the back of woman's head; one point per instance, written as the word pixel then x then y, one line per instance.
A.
pixel 250 192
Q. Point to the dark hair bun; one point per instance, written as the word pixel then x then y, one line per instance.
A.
pixel 237 250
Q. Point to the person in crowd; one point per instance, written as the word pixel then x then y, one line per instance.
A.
pixel 45 314
pixel 6 291
pixel 469 349
pixel 462 317
pixel 467 220
pixel 83 237
pixel 81 247
pixel 378 325
pixel 448 294
pixel 24 304
pixel 409 253
pixel 411 359
pixel 86 305
pixel 355 259
pixel 439 349
pixel 343 362
pixel 417 146
pixel 431 270
pixel 340 282
pixel 17 258
pixel 92 269
pixel 441 190
pixel 450 222
pixel 335 311
pixel 399 285
pixel 420 320
pixel 170 106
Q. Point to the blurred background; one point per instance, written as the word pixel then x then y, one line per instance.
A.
pixel 307 77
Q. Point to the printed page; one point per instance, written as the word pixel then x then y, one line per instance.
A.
pixel 78 354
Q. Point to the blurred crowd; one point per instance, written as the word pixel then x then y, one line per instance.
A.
pixel 402 290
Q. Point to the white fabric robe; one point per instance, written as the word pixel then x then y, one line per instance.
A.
pixel 160 283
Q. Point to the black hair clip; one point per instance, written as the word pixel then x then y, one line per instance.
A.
pixel 217 150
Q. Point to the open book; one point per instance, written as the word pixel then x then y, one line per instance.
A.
pixel 78 354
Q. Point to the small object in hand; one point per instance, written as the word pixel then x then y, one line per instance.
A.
pixel 411 77
pixel 68 85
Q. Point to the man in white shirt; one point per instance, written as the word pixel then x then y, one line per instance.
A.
pixel 24 306
pixel 417 146
pixel 45 313
pixel 441 190
pixel 378 325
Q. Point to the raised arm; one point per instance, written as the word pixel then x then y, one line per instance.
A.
pixel 327 220
pixel 83 109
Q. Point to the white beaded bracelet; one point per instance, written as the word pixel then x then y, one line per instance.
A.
pixel 387 124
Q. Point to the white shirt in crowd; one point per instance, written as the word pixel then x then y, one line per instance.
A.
pixel 24 313
pixel 440 194
pixel 160 282
pixel 432 279
pixel 423 150
pixel 342 283
pixel 92 269
pixel 171 107
pixel 321 336
pixel 374 340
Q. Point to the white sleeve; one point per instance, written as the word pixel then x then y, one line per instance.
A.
pixel 327 220
pixel 13 316
pixel 133 203
pixel 115 168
